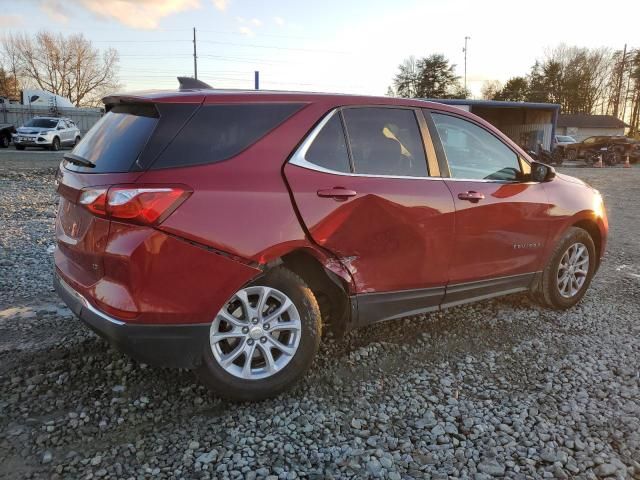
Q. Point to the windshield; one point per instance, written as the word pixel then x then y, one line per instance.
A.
pixel 562 138
pixel 114 143
pixel 42 123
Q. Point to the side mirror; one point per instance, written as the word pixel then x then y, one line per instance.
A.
pixel 541 172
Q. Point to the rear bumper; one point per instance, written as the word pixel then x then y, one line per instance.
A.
pixel 178 346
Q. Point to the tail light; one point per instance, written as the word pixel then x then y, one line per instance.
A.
pixel 141 205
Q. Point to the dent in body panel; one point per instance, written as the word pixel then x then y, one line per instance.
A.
pixel 395 234
pixel 157 278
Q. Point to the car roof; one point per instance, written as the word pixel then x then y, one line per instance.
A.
pixel 53 118
pixel 221 95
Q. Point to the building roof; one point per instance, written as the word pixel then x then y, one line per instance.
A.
pixel 583 120
pixel 495 103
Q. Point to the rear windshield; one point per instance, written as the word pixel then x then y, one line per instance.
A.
pixel 219 132
pixel 115 142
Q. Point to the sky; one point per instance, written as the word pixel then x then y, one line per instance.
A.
pixel 346 46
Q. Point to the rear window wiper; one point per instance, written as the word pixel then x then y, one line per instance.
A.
pixel 78 160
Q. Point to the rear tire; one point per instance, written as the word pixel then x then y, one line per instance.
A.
pixel 551 290
pixel 254 331
pixel 76 141
pixel 4 141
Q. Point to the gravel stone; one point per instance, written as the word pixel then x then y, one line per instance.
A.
pixel 606 470
pixel 491 467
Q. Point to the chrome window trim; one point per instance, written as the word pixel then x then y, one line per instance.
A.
pixel 298 158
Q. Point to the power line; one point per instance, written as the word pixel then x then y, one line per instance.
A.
pixel 162 55
pixel 253 45
pixel 140 41
pixel 261 34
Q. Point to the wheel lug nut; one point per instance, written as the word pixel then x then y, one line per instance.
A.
pixel 263 339
pixel 254 320
pixel 245 329
pixel 249 342
pixel 267 326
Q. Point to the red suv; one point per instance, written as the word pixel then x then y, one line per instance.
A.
pixel 223 230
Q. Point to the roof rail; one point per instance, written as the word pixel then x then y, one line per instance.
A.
pixel 189 83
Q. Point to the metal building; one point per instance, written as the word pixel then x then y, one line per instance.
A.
pixel 526 123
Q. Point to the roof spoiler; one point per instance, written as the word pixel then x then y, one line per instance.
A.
pixel 189 83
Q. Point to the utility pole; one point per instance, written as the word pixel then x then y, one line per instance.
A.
pixel 256 80
pixel 616 104
pixel 195 56
pixel 626 99
pixel 465 63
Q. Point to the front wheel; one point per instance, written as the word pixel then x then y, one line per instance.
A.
pixel 263 339
pixel 55 145
pixel 568 274
pixel 4 141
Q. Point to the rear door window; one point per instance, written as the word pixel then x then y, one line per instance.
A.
pixel 385 141
pixel 219 132
pixel 116 141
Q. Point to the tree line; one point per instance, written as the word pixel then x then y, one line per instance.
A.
pixel 69 66
pixel 581 80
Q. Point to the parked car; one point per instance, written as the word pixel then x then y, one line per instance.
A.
pixel 559 143
pixel 6 131
pixel 591 144
pixel 561 140
pixel 47 132
pixel 224 231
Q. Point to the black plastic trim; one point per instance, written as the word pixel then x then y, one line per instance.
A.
pixel 377 307
pixel 371 308
pixel 484 289
pixel 190 83
pixel 179 346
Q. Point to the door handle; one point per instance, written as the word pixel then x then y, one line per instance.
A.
pixel 337 193
pixel 471 196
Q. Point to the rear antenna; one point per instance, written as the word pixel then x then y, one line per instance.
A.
pixel 189 83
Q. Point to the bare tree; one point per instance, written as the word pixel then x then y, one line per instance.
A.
pixel 574 77
pixel 11 63
pixel 67 66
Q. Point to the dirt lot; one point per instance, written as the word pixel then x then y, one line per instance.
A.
pixel 501 388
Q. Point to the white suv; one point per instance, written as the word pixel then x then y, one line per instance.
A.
pixel 47 132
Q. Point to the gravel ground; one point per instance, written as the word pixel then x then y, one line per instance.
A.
pixel 500 388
